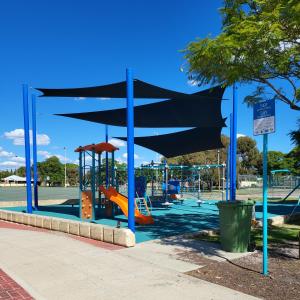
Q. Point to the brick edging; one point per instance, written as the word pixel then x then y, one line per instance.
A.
pixel 118 236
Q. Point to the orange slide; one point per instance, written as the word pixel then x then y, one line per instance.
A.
pixel 122 201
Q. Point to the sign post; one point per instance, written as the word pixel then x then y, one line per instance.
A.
pixel 264 123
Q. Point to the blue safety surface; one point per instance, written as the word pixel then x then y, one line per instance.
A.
pixel 178 219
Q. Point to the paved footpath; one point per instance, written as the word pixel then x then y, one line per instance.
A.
pixel 56 266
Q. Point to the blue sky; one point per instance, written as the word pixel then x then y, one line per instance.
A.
pixel 85 43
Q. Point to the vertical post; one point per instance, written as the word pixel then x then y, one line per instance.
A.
pixel 99 179
pixel 233 147
pixel 130 149
pixel 265 204
pixel 227 172
pixel 106 159
pixel 219 175
pixel 199 183
pixel 166 181
pixel 34 153
pixel 80 183
pixel 93 184
pixel 113 169
pixel 65 148
pixel 27 148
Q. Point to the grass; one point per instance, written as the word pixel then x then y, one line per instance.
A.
pixel 276 235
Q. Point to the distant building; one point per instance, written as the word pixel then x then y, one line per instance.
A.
pixel 14 180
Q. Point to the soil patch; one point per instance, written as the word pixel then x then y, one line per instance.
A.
pixel 244 274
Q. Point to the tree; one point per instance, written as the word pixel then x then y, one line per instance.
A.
pixel 249 155
pixel 21 171
pixel 51 170
pixel 259 43
pixel 295 135
pixel 72 174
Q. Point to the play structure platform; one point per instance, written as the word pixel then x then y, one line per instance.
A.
pixel 113 195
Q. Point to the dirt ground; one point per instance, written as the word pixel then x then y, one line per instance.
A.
pixel 244 274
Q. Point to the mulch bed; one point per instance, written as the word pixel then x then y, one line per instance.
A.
pixel 244 274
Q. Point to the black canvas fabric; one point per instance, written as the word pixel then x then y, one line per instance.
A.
pixel 115 90
pixel 183 142
pixel 202 109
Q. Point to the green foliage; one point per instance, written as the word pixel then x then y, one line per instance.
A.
pixel 295 135
pixel 259 43
pixel 249 155
pixel 5 173
pixel 53 169
pixel 72 174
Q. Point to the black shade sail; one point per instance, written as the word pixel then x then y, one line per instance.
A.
pixel 202 109
pixel 183 142
pixel 115 90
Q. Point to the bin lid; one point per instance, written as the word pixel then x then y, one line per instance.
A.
pixel 236 203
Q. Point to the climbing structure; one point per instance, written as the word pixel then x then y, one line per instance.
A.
pixel 90 177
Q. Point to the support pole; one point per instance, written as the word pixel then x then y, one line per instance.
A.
pixel 113 169
pixel 27 148
pixel 93 173
pixel 228 171
pixel 99 179
pixel 233 147
pixel 130 149
pixel 166 181
pixel 265 204
pixel 106 159
pixel 34 153
pixel 199 183
pixel 80 184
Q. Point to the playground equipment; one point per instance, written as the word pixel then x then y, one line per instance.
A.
pixel 90 181
pixel 90 177
pixel 176 180
pixel 122 201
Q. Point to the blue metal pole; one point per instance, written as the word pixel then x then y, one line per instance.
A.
pixel 93 174
pixel 233 142
pixel 130 149
pixel 34 153
pixel 265 204
pixel 27 148
pixel 106 159
pixel 227 173
pixel 80 184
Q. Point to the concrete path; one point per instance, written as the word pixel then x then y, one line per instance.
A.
pixel 171 252
pixel 52 266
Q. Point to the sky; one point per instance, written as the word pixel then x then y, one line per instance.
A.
pixel 61 44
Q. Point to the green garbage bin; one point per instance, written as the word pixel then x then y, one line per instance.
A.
pixel 235 224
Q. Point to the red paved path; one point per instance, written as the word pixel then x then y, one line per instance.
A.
pixel 9 289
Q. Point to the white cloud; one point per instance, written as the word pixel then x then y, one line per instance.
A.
pixel 238 135
pixel 192 83
pixel 47 154
pixel 4 153
pixel 17 136
pixel 104 98
pixel 19 159
pixel 10 164
pixel 43 153
pixel 135 156
pixel 117 143
pixel 145 162
pixel 121 160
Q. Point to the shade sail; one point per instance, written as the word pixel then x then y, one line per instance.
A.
pixel 202 109
pixel 115 90
pixel 183 142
